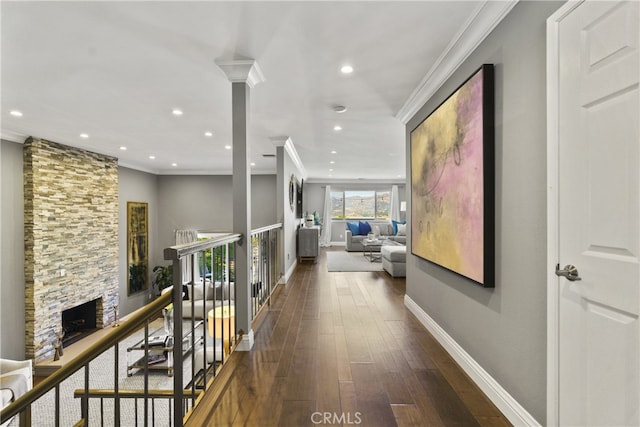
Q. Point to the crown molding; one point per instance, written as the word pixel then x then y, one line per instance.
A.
pixel 485 18
pixel 241 71
pixel 138 168
pixel 287 143
pixel 11 136
pixel 356 181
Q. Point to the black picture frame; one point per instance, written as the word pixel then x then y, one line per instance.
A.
pixel 453 181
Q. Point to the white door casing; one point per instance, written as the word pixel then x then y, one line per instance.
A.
pixel 594 214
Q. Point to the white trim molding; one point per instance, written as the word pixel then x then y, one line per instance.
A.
pixel 553 145
pixel 247 342
pixel 241 71
pixel 290 271
pixel 11 136
pixel 511 409
pixel 287 143
pixel 485 18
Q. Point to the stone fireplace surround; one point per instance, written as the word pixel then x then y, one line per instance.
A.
pixel 71 238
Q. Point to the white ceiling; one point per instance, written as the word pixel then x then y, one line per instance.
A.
pixel 115 70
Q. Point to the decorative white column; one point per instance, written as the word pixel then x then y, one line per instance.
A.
pixel 243 75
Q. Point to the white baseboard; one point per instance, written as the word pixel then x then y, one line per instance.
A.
pixel 247 342
pixel 289 272
pixel 511 409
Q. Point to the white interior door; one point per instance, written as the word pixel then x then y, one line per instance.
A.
pixel 598 217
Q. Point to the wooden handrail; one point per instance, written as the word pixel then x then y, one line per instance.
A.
pixel 103 344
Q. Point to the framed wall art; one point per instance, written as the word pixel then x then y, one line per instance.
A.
pixel 137 247
pixel 453 180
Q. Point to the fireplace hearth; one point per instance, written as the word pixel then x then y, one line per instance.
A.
pixel 78 322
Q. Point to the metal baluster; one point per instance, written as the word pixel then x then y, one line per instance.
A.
pixel 146 372
pixel 85 415
pixel 116 394
pixel 57 393
pixel 102 412
pixel 135 407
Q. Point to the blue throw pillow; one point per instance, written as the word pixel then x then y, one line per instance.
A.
pixel 354 228
pixel 395 226
pixel 365 228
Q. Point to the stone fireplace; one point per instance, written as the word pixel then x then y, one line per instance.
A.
pixel 79 321
pixel 71 239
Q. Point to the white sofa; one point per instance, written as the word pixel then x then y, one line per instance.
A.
pixel 204 295
pixel 379 228
pixel 394 260
pixel 20 368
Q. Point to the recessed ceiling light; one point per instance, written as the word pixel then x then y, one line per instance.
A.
pixel 330 175
pixel 84 135
pixel 15 113
pixel 339 109
pixel 123 148
pixel 227 147
pixel 337 128
pixel 253 163
pixel 334 152
pixel 152 157
pixel 208 134
pixel 174 164
pixel 330 170
pixel 332 162
pixel 177 112
pixel 346 69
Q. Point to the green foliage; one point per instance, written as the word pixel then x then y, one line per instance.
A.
pixel 164 276
pixel 137 277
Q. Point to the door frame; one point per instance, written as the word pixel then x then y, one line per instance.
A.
pixel 553 145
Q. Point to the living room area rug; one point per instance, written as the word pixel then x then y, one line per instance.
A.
pixel 351 261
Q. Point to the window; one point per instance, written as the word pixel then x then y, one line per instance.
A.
pixel 383 204
pixel 360 204
pixel 337 205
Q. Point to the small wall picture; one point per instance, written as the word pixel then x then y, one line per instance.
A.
pixel 137 247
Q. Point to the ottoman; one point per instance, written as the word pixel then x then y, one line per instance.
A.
pixel 394 260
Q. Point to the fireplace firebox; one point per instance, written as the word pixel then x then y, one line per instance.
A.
pixel 78 322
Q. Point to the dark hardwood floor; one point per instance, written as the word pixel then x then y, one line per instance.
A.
pixel 342 349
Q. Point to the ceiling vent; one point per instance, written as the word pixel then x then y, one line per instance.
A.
pixel 268 155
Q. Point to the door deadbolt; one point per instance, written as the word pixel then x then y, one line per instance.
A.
pixel 569 271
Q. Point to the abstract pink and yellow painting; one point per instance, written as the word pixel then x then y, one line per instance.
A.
pixel 449 223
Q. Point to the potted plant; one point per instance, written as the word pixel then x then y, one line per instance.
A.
pixel 163 276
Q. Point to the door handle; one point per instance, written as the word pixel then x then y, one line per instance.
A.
pixel 569 271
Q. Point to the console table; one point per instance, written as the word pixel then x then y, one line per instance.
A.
pixel 308 243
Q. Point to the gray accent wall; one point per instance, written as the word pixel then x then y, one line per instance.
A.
pixel 135 186
pixel 205 203
pixel 286 168
pixel 12 292
pixel 504 329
